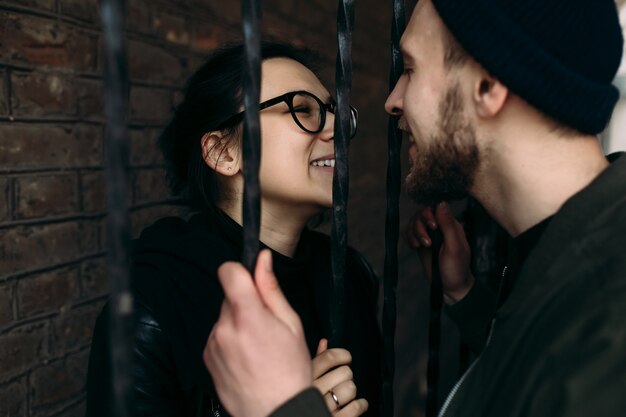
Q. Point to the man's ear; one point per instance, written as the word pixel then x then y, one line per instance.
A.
pixel 489 96
pixel 219 153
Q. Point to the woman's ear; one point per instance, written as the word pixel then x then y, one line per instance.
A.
pixel 219 153
pixel 489 96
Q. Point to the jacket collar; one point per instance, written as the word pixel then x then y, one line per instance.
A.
pixel 575 220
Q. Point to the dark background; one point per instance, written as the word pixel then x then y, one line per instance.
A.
pixel 52 207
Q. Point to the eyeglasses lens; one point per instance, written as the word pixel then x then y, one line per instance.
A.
pixel 308 112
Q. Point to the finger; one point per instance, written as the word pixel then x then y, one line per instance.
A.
pixel 410 237
pixel 353 409
pixel 322 346
pixel 239 289
pixel 422 233
pixel 344 393
pixel 428 217
pixel 447 224
pixel 333 378
pixel 271 294
pixel 330 359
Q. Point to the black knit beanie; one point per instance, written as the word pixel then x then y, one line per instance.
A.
pixel 559 55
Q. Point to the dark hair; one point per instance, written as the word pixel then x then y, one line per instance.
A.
pixel 212 95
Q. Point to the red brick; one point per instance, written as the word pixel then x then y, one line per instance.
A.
pixel 139 16
pixel 45 195
pixel 89 99
pixel 75 410
pixel 73 329
pixel 87 10
pixel 5 202
pixel 37 94
pixel 207 37
pixel 93 192
pixel 93 278
pixel 170 27
pixel 144 147
pixel 31 247
pixel 40 41
pixel 228 11
pixel 150 63
pixel 4 108
pixel 21 348
pixel 6 306
pixel 47 292
pixel 58 381
pixel 13 398
pixel 39 4
pixel 89 237
pixel 24 147
pixel 150 104
pixel 149 185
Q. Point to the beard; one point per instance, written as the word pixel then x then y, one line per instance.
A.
pixel 446 163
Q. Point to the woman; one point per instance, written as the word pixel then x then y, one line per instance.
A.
pixel 174 281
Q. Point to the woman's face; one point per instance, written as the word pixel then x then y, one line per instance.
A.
pixel 290 175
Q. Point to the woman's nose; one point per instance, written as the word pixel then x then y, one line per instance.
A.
pixel 328 133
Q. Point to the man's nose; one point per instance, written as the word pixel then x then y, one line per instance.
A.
pixel 394 102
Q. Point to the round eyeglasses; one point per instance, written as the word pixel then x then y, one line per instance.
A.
pixel 307 110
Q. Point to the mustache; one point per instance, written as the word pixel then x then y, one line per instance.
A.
pixel 402 124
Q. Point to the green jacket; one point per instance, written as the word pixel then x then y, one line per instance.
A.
pixel 558 345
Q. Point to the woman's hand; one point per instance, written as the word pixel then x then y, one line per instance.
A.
pixel 333 378
pixel 454 257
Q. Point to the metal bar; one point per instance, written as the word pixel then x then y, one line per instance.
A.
pixel 118 223
pixel 434 328
pixel 339 234
pixel 392 219
pixel 251 16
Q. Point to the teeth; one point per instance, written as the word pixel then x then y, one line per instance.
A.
pixel 325 163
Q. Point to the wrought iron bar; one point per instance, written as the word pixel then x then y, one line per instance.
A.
pixel 118 223
pixel 339 231
pixel 434 328
pixel 392 220
pixel 251 17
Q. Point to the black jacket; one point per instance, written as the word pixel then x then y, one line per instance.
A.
pixel 558 345
pixel 178 299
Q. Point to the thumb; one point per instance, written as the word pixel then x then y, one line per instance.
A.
pixel 271 294
pixel 239 290
pixel 322 346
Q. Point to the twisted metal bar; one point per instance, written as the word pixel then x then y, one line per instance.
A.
pixel 118 223
pixel 392 220
pixel 339 235
pixel 251 16
pixel 434 328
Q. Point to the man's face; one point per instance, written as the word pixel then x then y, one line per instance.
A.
pixel 443 150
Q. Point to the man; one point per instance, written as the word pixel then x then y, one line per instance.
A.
pixel 502 100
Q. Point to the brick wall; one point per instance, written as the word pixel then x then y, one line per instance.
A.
pixel 52 206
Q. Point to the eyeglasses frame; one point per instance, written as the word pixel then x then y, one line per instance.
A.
pixel 288 98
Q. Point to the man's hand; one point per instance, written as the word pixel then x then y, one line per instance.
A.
pixel 454 257
pixel 256 353
pixel 333 379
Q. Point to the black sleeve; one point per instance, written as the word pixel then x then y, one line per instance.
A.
pixel 309 403
pixel 473 315
pixel 154 381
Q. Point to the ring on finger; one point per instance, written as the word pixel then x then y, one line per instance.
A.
pixel 334 397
